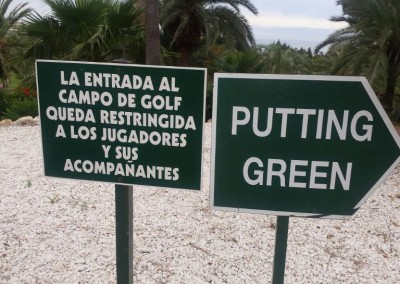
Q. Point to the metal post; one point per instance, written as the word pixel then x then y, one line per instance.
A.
pixel 124 233
pixel 281 237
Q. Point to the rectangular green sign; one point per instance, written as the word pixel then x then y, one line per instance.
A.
pixel 121 123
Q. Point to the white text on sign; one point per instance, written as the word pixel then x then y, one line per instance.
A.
pixel 301 173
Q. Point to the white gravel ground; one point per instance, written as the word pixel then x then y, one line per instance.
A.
pixel 62 231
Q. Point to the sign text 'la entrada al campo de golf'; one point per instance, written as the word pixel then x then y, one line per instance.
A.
pixel 121 123
pixel 286 145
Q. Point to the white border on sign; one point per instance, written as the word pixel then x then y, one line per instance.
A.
pixel 373 98
pixel 137 66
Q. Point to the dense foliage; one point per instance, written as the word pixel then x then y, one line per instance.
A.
pixel 211 34
pixel 370 44
pixel 188 26
pixel 16 103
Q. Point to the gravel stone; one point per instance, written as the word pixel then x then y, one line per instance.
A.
pixel 63 231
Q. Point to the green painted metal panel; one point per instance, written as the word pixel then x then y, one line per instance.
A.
pixel 119 123
pixel 298 145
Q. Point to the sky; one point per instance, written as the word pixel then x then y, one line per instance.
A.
pixel 299 23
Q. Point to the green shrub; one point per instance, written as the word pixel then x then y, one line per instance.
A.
pixel 15 103
pixel 27 107
pixel 6 99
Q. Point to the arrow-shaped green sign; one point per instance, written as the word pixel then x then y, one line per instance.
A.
pixel 298 145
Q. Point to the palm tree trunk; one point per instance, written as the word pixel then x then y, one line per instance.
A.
pixel 153 55
pixel 387 101
pixel 140 5
pixel 183 58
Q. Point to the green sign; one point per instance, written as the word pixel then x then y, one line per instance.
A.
pixel 118 123
pixel 314 146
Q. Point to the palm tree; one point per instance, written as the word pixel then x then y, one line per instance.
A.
pixel 8 21
pixel 324 63
pixel 83 30
pixel 189 24
pixel 232 61
pixel 92 30
pixel 283 59
pixel 370 44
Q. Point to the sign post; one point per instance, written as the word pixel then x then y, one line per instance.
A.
pixel 124 227
pixel 123 124
pixel 124 232
pixel 281 237
pixel 306 146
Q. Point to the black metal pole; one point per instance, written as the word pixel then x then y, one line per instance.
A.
pixel 124 233
pixel 281 237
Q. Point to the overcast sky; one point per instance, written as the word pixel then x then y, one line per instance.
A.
pixel 299 23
